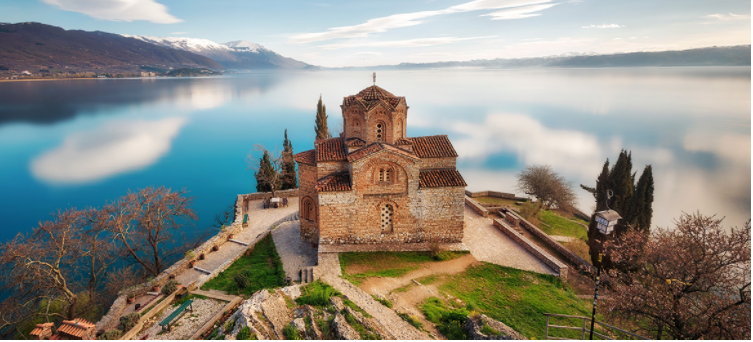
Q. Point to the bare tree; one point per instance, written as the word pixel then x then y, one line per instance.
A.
pixel 144 222
pixel 550 189
pixel 58 262
pixel 268 170
pixel 691 282
pixel 224 218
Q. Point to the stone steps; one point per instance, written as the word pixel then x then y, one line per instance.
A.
pixel 307 275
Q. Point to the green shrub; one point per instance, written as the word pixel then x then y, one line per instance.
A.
pixel 241 280
pixel 449 321
pixel 112 334
pixel 410 319
pixel 229 325
pixel 245 334
pixel 316 294
pixel 170 287
pixel 384 302
pixel 291 333
pixel 487 330
pixel 129 321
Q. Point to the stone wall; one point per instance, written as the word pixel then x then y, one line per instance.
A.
pixel 437 163
pixel 307 178
pixel 324 169
pixel 476 206
pixel 568 254
pixel 418 215
pixel 497 194
pixel 531 247
pixel 262 195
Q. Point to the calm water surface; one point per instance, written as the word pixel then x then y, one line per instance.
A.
pixel 84 142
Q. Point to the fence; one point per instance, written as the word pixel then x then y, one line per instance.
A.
pixel 585 329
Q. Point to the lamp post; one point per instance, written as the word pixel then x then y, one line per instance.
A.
pixel 605 222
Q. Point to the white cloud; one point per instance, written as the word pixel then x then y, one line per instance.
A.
pixel 118 10
pixel 602 26
pixel 727 17
pixel 112 149
pixel 383 24
pixel 519 13
pixel 732 146
pixel 418 42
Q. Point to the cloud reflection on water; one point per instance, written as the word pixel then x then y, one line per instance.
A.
pixel 114 148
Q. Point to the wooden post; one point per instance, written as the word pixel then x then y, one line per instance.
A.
pixel 546 335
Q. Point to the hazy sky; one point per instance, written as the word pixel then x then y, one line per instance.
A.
pixel 361 33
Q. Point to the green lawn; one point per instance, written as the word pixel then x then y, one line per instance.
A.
pixel 496 201
pixel 562 226
pixel 358 266
pixel 261 269
pixel 517 298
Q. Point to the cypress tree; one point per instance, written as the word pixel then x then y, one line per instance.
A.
pixel 640 210
pixel 289 177
pixel 621 181
pixel 321 121
pixel 600 194
pixel 265 166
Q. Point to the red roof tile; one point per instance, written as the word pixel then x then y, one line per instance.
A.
pixel 354 142
pixel 41 328
pixel 371 96
pixel 330 150
pixel 440 178
pixel 403 141
pixel 376 147
pixel 437 146
pixel 334 182
pixel 306 157
pixel 76 328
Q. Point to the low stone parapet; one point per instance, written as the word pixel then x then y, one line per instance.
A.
pixel 476 206
pixel 556 265
pixel 568 254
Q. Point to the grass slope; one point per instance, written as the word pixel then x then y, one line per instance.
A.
pixel 262 269
pixel 562 226
pixel 517 298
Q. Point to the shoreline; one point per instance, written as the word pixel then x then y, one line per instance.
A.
pixel 74 78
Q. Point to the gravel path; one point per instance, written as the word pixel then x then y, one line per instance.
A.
pixel 489 244
pixel 260 221
pixel 295 254
pixel 188 324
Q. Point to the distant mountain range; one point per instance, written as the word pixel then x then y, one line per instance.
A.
pixel 711 56
pixel 38 47
pixel 239 54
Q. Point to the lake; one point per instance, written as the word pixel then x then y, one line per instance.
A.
pixel 85 142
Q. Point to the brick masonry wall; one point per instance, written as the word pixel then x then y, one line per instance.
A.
pixel 437 163
pixel 307 177
pixel 354 217
pixel 531 247
pixel 572 257
pixel 323 169
pixel 476 206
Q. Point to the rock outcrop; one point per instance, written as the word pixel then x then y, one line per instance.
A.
pixel 496 330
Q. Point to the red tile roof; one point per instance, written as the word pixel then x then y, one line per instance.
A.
pixel 440 178
pixel 330 150
pixel 371 96
pixel 436 146
pixel 334 182
pixel 42 328
pixel 376 147
pixel 76 328
pixel 403 141
pixel 306 157
pixel 354 142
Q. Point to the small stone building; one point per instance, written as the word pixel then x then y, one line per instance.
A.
pixel 77 329
pixel 375 185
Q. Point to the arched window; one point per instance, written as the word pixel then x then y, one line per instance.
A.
pixel 400 129
pixel 384 175
pixel 387 212
pixel 379 131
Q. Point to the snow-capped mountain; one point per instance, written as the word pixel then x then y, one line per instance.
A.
pixel 239 54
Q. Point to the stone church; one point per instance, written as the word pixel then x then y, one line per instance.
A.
pixel 375 185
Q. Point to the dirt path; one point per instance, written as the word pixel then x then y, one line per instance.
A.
pixel 385 285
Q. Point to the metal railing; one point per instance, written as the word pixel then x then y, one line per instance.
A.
pixel 584 329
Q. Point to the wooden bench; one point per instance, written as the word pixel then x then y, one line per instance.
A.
pixel 168 321
pixel 245 220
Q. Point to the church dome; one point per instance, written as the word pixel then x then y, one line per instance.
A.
pixel 372 95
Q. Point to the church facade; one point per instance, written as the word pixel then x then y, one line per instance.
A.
pixel 373 184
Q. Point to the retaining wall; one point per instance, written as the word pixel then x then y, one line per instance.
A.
pixel 558 266
pixel 263 195
pixel 480 209
pixel 572 257
pixel 497 194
